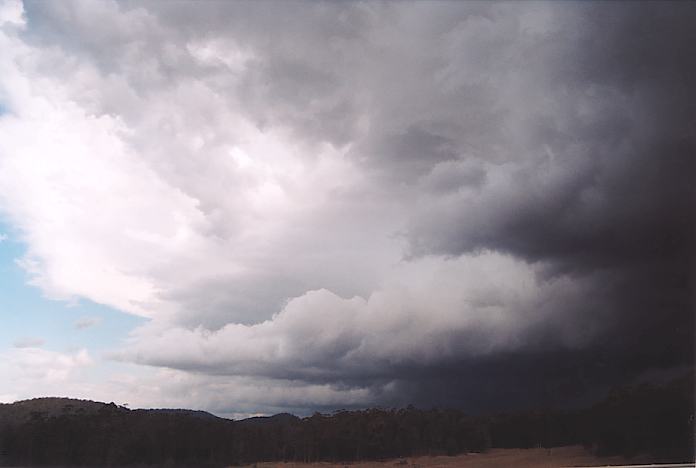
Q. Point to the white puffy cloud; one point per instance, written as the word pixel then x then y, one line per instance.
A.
pixel 162 212
pixel 11 13
pixel 29 371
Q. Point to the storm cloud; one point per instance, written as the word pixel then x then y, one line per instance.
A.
pixel 483 205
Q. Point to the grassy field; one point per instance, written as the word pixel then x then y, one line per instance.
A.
pixel 519 458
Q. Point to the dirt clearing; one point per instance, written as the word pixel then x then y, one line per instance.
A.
pixel 518 458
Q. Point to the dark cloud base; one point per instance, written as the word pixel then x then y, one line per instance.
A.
pixel 643 233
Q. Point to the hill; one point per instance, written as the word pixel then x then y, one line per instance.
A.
pixel 644 423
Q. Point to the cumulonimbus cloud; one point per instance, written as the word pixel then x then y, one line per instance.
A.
pixel 339 193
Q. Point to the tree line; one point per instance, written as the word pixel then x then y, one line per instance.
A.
pixel 643 420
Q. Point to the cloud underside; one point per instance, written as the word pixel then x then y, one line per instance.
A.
pixel 379 203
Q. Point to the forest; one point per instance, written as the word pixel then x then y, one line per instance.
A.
pixel 657 420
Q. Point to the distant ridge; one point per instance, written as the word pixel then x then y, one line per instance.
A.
pixel 650 423
pixel 280 418
pixel 50 407
pixel 182 411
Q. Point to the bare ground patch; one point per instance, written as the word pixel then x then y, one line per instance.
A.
pixel 519 458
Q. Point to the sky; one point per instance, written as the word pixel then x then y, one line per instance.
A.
pixel 256 207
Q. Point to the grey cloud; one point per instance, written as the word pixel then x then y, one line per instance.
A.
pixel 603 178
pixel 87 322
pixel 601 165
pixel 453 176
pixel 405 156
pixel 224 300
pixel 29 342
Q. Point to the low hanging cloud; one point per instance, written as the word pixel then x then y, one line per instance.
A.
pixel 430 311
pixel 30 369
pixel 381 201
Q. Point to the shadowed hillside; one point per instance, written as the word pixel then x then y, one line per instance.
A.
pixel 646 423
